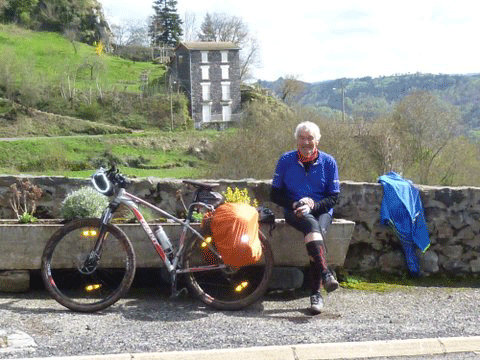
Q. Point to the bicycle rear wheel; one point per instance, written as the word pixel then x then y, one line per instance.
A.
pixel 82 280
pixel 229 288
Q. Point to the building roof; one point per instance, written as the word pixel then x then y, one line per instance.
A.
pixel 209 45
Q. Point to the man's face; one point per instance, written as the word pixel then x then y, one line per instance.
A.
pixel 306 142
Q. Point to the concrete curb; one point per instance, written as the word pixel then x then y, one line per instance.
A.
pixel 344 350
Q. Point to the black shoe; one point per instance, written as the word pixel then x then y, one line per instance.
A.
pixel 329 282
pixel 316 303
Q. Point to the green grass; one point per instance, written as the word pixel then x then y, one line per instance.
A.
pixel 159 154
pixel 54 58
pixel 381 282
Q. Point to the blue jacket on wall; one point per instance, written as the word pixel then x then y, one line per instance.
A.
pixel 402 210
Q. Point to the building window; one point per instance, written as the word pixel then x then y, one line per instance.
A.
pixel 205 72
pixel 224 56
pixel 204 56
pixel 226 112
pixel 226 91
pixel 206 112
pixel 206 91
pixel 225 69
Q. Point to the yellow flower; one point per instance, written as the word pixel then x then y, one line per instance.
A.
pixel 239 196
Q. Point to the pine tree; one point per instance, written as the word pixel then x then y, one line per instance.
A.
pixel 207 29
pixel 165 27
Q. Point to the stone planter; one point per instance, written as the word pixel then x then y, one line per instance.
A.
pixel 21 245
pixel 289 248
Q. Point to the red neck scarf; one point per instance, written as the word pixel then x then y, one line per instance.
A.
pixel 305 159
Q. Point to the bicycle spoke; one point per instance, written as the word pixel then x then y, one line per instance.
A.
pixel 229 288
pixel 82 280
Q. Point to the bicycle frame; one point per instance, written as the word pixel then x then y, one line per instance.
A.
pixel 89 264
pixel 173 266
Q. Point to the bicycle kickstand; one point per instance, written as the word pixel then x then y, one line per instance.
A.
pixel 175 293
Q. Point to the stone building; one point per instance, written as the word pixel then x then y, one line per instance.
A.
pixel 209 73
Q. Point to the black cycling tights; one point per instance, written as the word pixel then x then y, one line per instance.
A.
pixel 318 263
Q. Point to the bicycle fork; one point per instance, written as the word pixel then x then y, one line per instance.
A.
pixel 90 262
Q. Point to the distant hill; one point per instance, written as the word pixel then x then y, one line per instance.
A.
pixel 369 97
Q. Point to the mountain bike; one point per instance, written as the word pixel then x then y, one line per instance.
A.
pixel 89 264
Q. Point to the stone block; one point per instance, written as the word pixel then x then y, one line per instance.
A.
pixel 14 281
pixel 429 262
pixel 285 278
pixel 392 261
pixel 475 264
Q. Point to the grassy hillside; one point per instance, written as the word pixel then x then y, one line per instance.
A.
pixel 169 155
pixel 49 72
pixel 52 89
pixel 52 58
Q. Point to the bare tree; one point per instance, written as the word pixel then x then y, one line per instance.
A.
pixel 189 26
pixel 221 27
pixel 249 58
pixel 137 34
pixel 131 33
pixel 291 88
pixel 425 125
pixel 120 34
pixel 3 4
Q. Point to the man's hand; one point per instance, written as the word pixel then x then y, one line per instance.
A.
pixel 307 201
pixel 304 206
pixel 302 210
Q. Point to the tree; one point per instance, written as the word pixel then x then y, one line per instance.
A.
pixel 291 88
pixel 425 125
pixel 165 27
pixel 131 40
pixel 249 58
pixel 136 34
pixel 18 11
pixel 189 26
pixel 221 27
pixel 369 107
pixel 3 4
pixel 80 19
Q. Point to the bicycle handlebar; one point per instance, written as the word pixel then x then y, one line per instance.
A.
pixel 105 181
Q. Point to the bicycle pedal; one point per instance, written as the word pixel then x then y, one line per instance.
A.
pixel 179 293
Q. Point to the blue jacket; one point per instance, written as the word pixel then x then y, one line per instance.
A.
pixel 320 181
pixel 402 209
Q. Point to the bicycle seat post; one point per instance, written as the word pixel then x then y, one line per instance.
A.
pixel 200 187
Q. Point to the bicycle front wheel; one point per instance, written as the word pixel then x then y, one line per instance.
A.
pixel 227 288
pixel 81 279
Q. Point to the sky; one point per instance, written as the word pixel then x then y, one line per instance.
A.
pixel 314 40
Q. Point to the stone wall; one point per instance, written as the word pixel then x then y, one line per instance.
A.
pixel 452 215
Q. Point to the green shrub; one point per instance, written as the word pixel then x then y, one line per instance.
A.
pixel 134 121
pixel 6 106
pixel 85 202
pixel 89 111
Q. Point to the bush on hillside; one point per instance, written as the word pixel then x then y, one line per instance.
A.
pixel 89 111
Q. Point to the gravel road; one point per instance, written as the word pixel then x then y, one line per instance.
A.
pixel 33 325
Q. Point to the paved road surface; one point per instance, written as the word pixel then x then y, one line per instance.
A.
pixel 32 325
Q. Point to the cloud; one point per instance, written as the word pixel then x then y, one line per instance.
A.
pixel 319 40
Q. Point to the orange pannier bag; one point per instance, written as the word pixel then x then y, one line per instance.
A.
pixel 235 234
